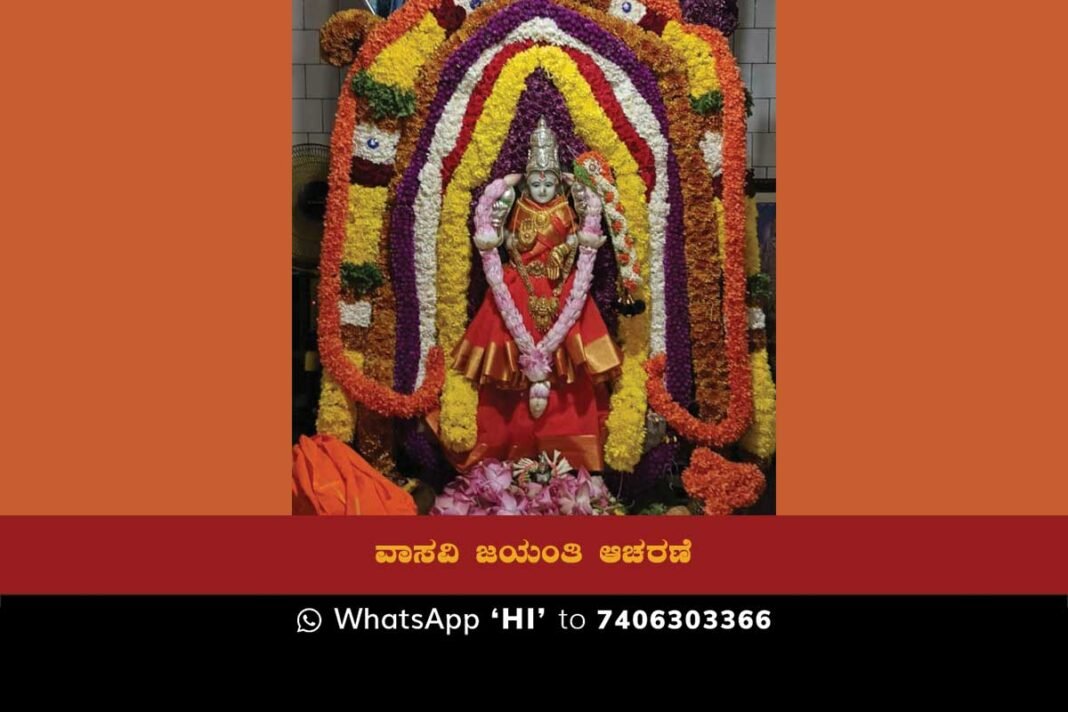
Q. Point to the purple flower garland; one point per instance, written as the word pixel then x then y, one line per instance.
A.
pixel 540 97
pixel 721 14
pixel 403 218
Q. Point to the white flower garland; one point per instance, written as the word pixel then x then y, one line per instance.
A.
pixel 712 148
pixel 374 144
pixel 428 201
pixel 756 318
pixel 536 358
pixel 629 10
pixel 356 314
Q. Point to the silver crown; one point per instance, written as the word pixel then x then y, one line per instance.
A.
pixel 543 150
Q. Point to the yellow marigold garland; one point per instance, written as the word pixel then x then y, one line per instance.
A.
pixel 626 421
pixel 700 64
pixel 760 438
pixel 363 223
pixel 399 63
pixel 337 414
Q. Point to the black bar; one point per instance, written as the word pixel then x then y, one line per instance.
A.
pixel 974 623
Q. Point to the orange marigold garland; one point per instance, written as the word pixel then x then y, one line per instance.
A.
pixel 703 267
pixel 722 486
pixel 343 33
pixel 736 321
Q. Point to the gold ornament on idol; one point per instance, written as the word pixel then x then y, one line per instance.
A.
pixel 542 158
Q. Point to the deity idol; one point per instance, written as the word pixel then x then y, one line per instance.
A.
pixel 538 348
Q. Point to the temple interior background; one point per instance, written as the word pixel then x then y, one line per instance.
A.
pixel 315 89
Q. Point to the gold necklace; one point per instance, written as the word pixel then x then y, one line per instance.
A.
pixel 543 310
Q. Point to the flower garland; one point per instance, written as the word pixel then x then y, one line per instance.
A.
pixel 721 485
pixel 363 223
pixel 693 224
pixel 434 115
pixel 595 169
pixel 426 201
pixel 740 406
pixel 703 278
pixel 541 98
pixel 547 486
pixel 452 241
pixel 337 414
pixel 356 385
pixel 716 401
pixel 720 14
pixel 632 331
pixel 384 99
pixel 400 62
pixel 708 103
pixel 342 33
pixel 396 27
pixel 760 438
pixel 700 66
pixel 405 152
pixel 363 278
pixel 681 420
pixel 535 358
pixel 373 148
pixel 374 431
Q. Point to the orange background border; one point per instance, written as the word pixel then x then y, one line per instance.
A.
pixel 147 304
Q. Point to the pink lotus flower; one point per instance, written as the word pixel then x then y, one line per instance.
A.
pixel 510 505
pixel 451 505
pixel 526 487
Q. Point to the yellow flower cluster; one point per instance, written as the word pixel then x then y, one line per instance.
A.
pixel 700 64
pixel 721 226
pixel 337 414
pixel 760 438
pixel 399 62
pixel 363 225
pixel 459 400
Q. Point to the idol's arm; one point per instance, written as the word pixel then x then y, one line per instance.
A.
pixel 491 210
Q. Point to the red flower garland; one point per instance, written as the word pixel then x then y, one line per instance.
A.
pixel 722 485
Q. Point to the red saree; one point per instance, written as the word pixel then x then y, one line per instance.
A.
pixel 573 421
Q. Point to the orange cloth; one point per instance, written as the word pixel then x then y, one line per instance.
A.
pixel 336 480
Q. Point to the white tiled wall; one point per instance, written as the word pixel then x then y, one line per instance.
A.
pixel 754 46
pixel 316 85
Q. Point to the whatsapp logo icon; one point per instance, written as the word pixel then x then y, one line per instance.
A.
pixel 308 621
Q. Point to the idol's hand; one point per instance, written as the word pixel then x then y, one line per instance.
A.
pixel 492 206
pixel 500 209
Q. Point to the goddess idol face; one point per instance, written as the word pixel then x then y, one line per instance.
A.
pixel 542 186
